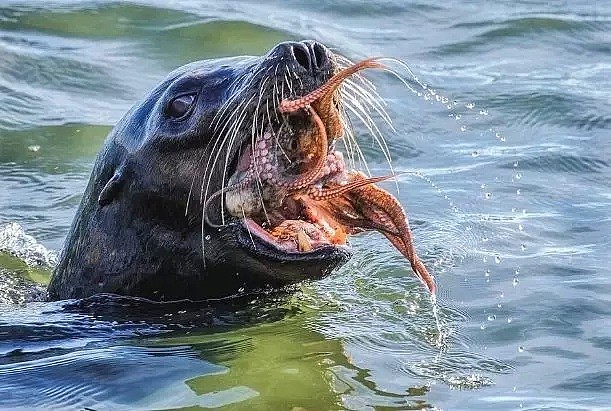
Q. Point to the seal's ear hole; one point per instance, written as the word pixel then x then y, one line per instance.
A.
pixel 111 189
pixel 180 106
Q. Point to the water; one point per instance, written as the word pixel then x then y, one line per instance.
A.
pixel 510 139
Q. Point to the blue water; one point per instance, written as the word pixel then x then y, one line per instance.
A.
pixel 508 145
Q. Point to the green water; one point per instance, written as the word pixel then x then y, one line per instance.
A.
pixel 511 213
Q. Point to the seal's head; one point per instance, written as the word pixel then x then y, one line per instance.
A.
pixel 189 195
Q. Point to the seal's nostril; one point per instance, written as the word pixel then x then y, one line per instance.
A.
pixel 319 56
pixel 302 56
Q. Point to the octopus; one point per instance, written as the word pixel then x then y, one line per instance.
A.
pixel 305 197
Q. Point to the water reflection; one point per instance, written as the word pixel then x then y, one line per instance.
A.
pixel 126 352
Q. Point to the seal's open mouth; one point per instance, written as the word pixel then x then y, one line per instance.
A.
pixel 292 191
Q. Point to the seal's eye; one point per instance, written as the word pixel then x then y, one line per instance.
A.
pixel 180 106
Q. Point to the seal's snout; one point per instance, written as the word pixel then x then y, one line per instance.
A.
pixel 310 55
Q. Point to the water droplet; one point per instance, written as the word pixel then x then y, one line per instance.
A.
pixel 499 305
pixel 449 106
pixel 518 176
pixel 509 320
pixel 515 164
pixel 497 135
pixel 457 116
pixel 437 97
pixel 520 227
pixel 483 112
pixel 520 349
pixel 485 259
pixel 488 196
pixel 517 271
pixel 475 154
pixel 445 100
pixel 491 317
pixel 482 327
pixel 518 191
pixel 208 237
pixel 463 128
pixel 487 273
pixel 485 239
pixel 497 259
pixel 483 185
pixel 502 295
pixel 516 281
pixel 34 148
pixel 470 105
pixel 523 247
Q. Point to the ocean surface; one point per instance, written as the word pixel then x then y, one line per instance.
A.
pixel 507 138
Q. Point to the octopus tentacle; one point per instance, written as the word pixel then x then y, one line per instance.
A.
pixel 379 205
pixel 289 106
pixel 323 193
pixel 309 177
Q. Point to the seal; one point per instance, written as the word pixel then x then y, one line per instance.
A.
pixel 224 179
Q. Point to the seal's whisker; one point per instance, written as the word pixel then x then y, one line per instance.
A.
pixel 235 94
pixel 216 120
pixel 348 136
pixel 380 138
pixel 235 127
pixel 289 85
pixel 199 162
pixel 404 81
pixel 228 139
pixel 288 159
pixel 372 126
pixel 343 61
pixel 368 84
pixel 225 131
pixel 371 100
pixel 361 112
pixel 252 240
pixel 356 144
pixel 275 97
pixel 216 148
pixel 253 132
pixel 232 135
pixel 361 96
pixel 407 68
pixel 260 192
pixel 255 160
pixel 364 115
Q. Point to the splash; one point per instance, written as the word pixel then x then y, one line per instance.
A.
pixel 15 241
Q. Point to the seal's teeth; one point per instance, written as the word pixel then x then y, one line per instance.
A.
pixel 303 241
